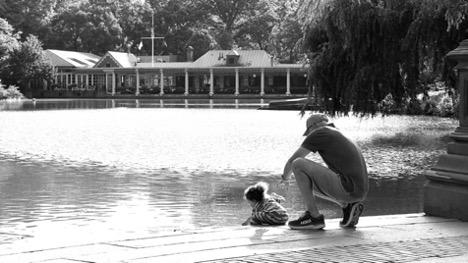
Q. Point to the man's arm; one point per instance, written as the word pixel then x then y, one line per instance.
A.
pixel 300 152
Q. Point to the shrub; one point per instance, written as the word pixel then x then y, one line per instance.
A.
pixel 438 103
pixel 388 105
pixel 447 106
pixel 12 92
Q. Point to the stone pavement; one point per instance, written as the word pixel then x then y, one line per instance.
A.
pixel 394 238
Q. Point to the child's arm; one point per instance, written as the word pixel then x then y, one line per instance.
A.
pixel 247 222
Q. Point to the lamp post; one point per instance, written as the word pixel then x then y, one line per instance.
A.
pixel 446 189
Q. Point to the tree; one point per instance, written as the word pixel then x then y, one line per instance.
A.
pixel 254 31
pixel 287 35
pixel 134 19
pixel 225 17
pixel 28 17
pixel 90 27
pixel 201 41
pixel 26 62
pixel 8 39
pixel 8 42
pixel 360 51
pixel 178 21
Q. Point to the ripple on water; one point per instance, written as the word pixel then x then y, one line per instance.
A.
pixel 149 170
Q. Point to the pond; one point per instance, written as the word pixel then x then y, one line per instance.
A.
pixel 140 167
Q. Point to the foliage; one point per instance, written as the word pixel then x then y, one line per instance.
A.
pixel 89 27
pixel 363 50
pixel 8 39
pixel 28 17
pixel 98 26
pixel 226 16
pixel 12 92
pixel 439 103
pixel 26 62
pixel 286 36
pixel 201 41
pixel 255 30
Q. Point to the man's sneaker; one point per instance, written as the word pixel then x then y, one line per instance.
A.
pixel 306 221
pixel 351 214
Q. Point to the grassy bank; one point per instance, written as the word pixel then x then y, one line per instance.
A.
pixel 399 131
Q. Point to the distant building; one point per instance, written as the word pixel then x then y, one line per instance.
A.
pixel 232 72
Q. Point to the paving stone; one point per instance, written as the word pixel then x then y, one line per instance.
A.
pixel 381 252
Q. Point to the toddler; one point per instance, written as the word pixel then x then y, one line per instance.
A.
pixel 266 209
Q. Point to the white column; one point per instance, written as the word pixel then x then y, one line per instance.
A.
pixel 87 81
pixel 92 81
pixel 137 85
pixel 262 83
pixel 288 82
pixel 237 82
pixel 211 83
pixel 186 83
pixel 161 82
pixel 66 81
pixel 113 83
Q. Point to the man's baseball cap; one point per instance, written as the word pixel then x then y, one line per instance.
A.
pixel 313 120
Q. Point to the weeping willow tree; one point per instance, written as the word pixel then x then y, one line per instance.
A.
pixel 362 50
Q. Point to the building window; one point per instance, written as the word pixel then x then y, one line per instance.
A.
pixel 232 60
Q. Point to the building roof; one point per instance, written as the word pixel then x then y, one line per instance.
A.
pixel 158 58
pixel 211 59
pixel 121 59
pixel 247 58
pixel 165 65
pixel 62 58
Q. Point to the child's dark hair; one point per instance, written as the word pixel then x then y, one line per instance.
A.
pixel 256 192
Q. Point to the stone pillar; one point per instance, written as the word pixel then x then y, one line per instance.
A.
pixel 446 189
pixel 87 81
pixel 161 83
pixel 137 85
pixel 186 83
pixel 237 82
pixel 288 82
pixel 262 83
pixel 211 82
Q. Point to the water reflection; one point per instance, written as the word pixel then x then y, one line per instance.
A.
pixel 55 104
pixel 34 193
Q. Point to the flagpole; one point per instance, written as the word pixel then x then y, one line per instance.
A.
pixel 152 37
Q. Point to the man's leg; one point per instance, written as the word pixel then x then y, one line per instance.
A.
pixel 302 172
pixel 315 180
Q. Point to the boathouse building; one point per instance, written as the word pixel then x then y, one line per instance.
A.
pixel 228 72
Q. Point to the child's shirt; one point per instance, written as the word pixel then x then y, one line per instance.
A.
pixel 269 212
